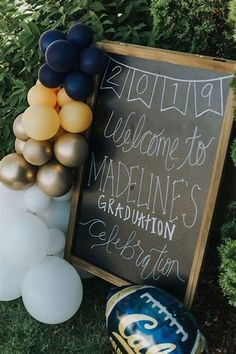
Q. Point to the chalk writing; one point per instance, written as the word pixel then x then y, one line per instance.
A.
pixel 143 83
pixel 142 87
pixel 117 180
pixel 154 263
pixel 174 98
pixel 149 223
pixel 146 184
pixel 157 144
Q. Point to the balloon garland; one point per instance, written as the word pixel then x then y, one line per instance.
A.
pixel 36 184
pixel 48 141
pixel 36 181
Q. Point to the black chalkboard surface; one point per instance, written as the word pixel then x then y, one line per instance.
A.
pixel 144 202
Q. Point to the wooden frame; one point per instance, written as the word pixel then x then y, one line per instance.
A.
pixel 212 64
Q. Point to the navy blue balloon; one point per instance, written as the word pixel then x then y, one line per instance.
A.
pixel 48 37
pixel 49 77
pixel 147 319
pixel 92 60
pixel 78 85
pixel 61 56
pixel 81 35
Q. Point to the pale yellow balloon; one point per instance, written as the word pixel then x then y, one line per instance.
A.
pixel 40 94
pixel 19 145
pixel 55 89
pixel 57 108
pixel 63 98
pixel 18 129
pixel 75 117
pixel 40 122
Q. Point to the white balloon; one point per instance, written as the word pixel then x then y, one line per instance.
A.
pixel 57 241
pixel 11 279
pixel 57 215
pixel 60 255
pixel 52 291
pixel 11 201
pixel 35 200
pixel 25 239
pixel 65 197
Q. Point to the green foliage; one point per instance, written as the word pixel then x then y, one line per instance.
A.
pixel 228 269
pixel 22 22
pixel 233 152
pixel 199 26
pixel 228 229
pixel 227 252
pixel 193 26
pixel 85 333
pixel 232 15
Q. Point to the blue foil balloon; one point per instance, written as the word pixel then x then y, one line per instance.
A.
pixel 78 85
pixel 48 37
pixel 92 60
pixel 81 35
pixel 147 320
pixel 49 77
pixel 61 56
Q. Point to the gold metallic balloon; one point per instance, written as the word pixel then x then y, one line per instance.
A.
pixel 19 145
pixel 54 179
pixel 18 128
pixel 37 152
pixel 16 173
pixel 71 150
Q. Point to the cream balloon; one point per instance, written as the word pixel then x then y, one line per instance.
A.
pixel 16 173
pixel 18 128
pixel 40 122
pixel 52 291
pixel 54 179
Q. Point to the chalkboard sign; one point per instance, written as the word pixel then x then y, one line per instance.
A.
pixel 143 204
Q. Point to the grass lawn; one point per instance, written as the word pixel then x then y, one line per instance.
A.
pixel 85 333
